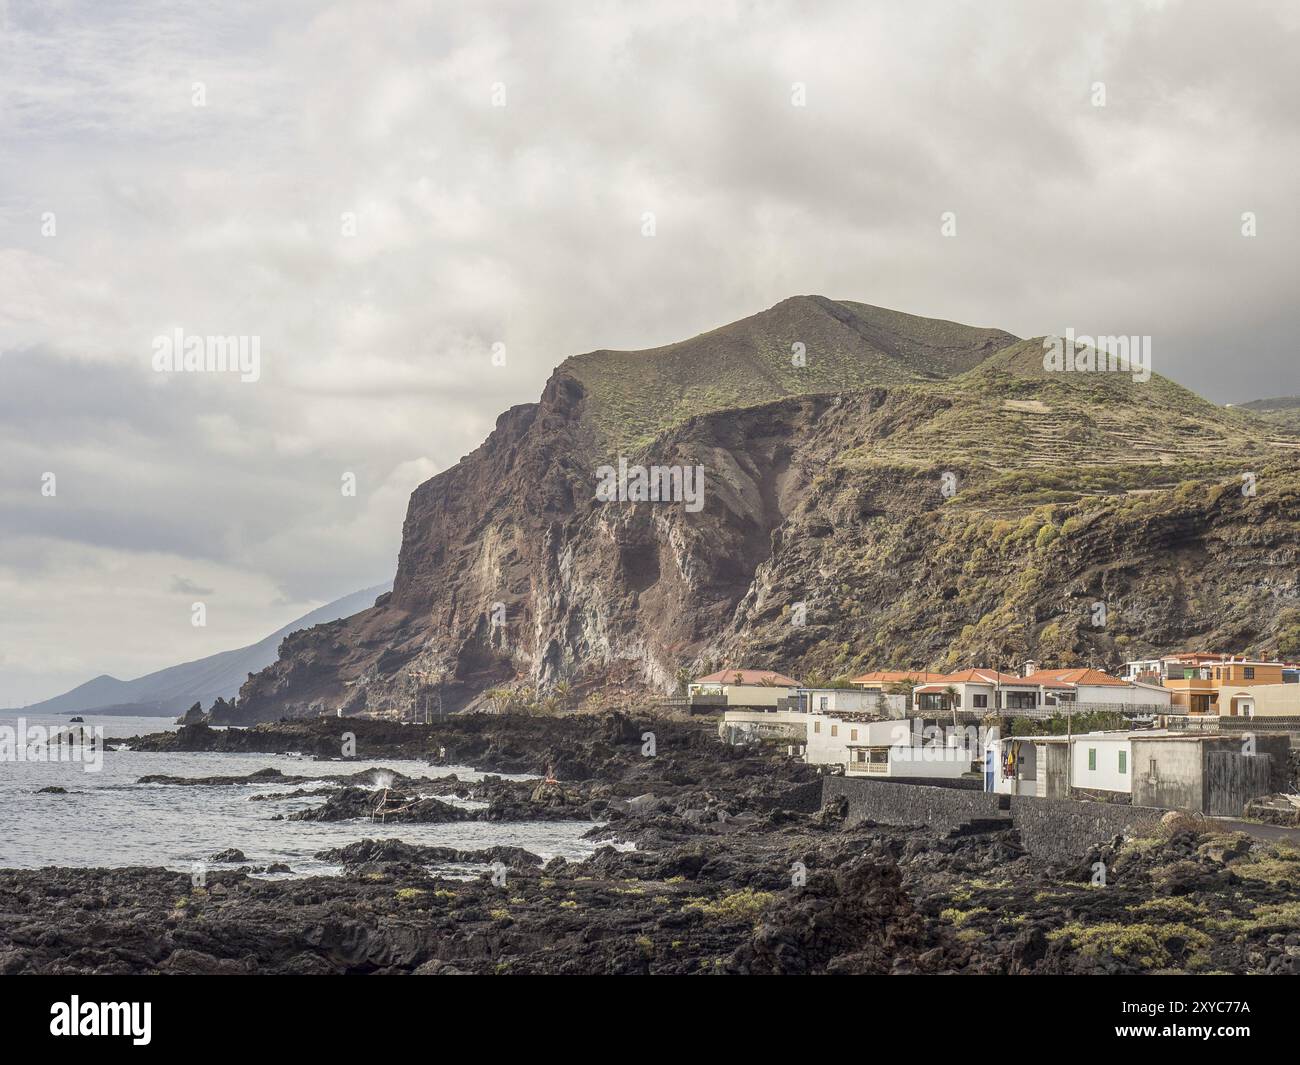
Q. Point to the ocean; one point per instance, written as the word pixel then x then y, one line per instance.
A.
pixel 107 819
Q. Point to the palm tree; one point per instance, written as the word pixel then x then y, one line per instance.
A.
pixel 684 679
pixel 951 694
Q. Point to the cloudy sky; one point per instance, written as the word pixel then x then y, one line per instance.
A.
pixel 176 165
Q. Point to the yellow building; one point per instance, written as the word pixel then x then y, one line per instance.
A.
pixel 1233 687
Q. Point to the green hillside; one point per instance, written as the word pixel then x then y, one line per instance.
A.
pixel 634 395
pixel 1282 412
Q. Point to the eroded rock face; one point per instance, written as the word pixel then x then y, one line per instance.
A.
pixel 584 588
pixel 976 510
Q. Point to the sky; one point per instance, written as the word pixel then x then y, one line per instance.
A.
pixel 387 195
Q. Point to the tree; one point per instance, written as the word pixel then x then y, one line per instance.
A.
pixel 951 694
pixel 684 679
pixel 563 691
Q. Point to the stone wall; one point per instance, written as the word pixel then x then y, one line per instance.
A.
pixel 1065 829
pixel 889 803
pixel 1059 829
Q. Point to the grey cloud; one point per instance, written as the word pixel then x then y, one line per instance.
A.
pixel 521 224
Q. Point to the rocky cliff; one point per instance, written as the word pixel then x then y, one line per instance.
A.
pixel 879 490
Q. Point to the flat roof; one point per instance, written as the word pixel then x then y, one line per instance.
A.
pixel 1131 734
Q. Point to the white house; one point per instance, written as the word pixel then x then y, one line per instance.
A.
pixel 1102 761
pixel 1040 692
pixel 1049 766
pixel 896 748
pixel 842 701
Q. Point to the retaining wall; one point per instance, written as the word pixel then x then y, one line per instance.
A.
pixel 1062 829
pixel 889 803
pixel 1065 829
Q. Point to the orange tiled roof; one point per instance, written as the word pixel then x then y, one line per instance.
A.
pixel 895 676
pixel 980 675
pixel 1072 677
pixel 1047 678
pixel 748 676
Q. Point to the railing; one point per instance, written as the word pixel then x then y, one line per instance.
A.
pixel 1191 722
pixel 1067 709
pixel 868 767
pixel 1266 723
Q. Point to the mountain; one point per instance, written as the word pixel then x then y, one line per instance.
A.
pixel 917 494
pixel 1282 411
pixel 173 690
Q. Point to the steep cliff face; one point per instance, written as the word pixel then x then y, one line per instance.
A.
pixel 917 493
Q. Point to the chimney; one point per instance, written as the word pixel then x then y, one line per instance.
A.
pixel 1031 667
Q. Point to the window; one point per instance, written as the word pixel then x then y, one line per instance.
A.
pixel 823 701
pixel 853 734
pixel 835 730
pixel 817 726
pixel 1250 672
pixel 981 702
pixel 1092 759
pixel 1218 673
pixel 1123 762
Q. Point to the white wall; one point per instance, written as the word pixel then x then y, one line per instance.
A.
pixel 1106 777
pixel 844 700
pixel 1141 695
pixel 1025 782
pixel 930 761
pixel 827 749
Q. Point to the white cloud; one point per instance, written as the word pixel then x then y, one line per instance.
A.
pixel 478 224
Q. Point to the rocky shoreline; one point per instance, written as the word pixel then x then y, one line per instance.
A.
pixel 734 870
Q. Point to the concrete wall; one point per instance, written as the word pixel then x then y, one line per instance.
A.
pixel 1113 695
pixel 1168 773
pixel 740 726
pixel 754 694
pixel 844 700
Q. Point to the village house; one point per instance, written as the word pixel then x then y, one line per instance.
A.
pixel 741 688
pixel 892 687
pixel 842 701
pixel 1227 686
pixel 1038 693
pixel 1145 767
pixel 1206 685
pixel 908 748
